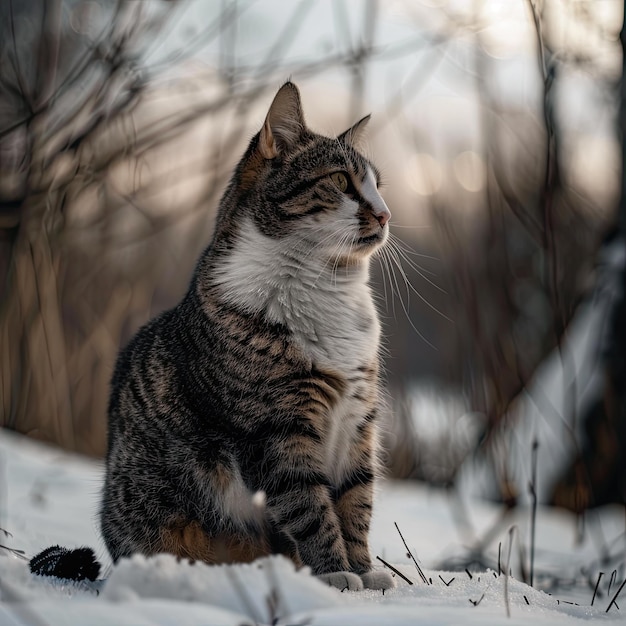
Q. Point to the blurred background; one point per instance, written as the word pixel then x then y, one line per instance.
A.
pixel 496 124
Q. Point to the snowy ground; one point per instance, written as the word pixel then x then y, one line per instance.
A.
pixel 47 497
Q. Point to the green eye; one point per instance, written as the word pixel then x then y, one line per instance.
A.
pixel 340 180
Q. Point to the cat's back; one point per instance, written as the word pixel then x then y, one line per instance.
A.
pixel 142 381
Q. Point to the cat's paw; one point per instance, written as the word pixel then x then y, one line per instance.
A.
pixel 378 579
pixel 343 581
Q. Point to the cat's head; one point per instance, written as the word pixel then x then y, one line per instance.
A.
pixel 316 193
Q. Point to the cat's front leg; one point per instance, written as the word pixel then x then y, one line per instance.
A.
pixel 353 504
pixel 300 504
pixel 354 509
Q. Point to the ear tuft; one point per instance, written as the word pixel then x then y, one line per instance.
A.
pixel 354 135
pixel 284 124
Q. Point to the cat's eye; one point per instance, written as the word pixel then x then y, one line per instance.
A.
pixel 340 180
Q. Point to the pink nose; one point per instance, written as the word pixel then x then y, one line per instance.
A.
pixel 383 216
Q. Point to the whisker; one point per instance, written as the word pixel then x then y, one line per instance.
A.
pixel 406 312
pixel 388 270
pixel 295 247
pixel 332 257
pixel 409 227
pixel 404 250
pixel 419 270
pixel 410 287
pixel 381 261
pixel 408 249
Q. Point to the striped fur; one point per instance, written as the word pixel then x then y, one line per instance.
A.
pixel 264 379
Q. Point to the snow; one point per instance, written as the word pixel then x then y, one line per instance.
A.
pixel 48 497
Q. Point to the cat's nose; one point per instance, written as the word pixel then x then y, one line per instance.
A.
pixel 383 216
pixel 377 205
pixel 380 210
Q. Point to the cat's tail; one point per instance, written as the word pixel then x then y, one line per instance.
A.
pixel 78 564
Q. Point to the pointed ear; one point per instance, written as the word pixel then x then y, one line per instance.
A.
pixel 284 124
pixel 354 135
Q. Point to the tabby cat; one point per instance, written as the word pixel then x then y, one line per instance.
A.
pixel 243 421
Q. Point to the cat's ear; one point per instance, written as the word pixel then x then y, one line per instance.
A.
pixel 354 135
pixel 284 124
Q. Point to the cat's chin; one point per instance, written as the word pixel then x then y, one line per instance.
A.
pixel 371 240
pixel 358 255
pixel 368 244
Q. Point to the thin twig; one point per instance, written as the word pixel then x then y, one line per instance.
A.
pixel 15 551
pixel 419 569
pixel 615 596
pixel 395 571
pixel 533 510
pixel 596 588
pixel 613 576
pixel 508 571
pixel 243 594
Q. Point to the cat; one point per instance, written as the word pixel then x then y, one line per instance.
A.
pixel 244 420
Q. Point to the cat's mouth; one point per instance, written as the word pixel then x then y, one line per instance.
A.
pixel 369 240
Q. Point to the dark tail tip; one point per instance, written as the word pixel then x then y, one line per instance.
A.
pixel 75 564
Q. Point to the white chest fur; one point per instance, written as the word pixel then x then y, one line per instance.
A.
pixel 329 311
